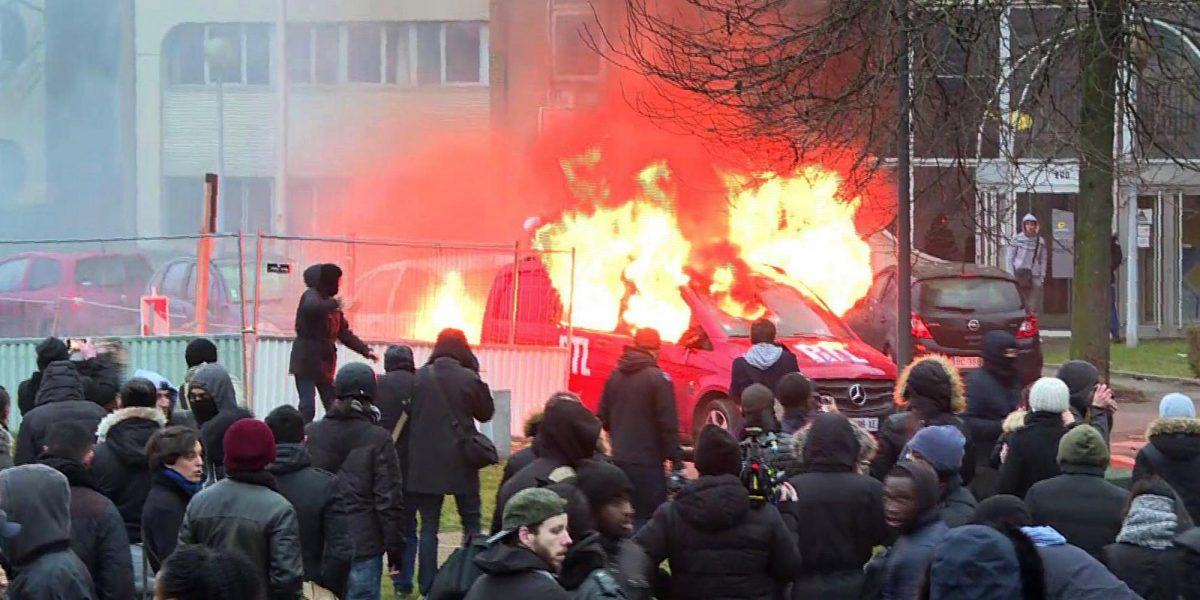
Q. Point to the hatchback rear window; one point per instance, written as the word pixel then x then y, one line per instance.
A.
pixel 968 294
pixel 110 271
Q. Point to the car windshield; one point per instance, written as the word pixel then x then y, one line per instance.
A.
pixel 794 314
pixel 968 294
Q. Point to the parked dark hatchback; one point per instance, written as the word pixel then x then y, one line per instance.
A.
pixel 954 306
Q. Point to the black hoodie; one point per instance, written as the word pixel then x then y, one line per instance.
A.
pixel 514 572
pixel 120 466
pixel 637 408
pixel 319 324
pixel 39 499
pixel 720 547
pixel 60 398
pixel 1082 378
pixel 838 513
pixel 216 419
pixel 324 544
pixel 395 387
pixel 48 350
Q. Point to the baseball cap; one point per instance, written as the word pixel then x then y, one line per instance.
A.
pixel 529 507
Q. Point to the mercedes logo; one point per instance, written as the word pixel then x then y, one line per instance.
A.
pixel 973 324
pixel 858 395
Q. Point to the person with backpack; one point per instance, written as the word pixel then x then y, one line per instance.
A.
pixel 761 436
pixel 528 552
pixel 928 392
pixel 1173 451
pixel 1027 262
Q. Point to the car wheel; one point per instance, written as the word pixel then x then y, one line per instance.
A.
pixel 718 411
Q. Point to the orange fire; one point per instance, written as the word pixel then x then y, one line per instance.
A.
pixel 632 257
pixel 449 305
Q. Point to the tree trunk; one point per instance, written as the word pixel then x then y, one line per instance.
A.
pixel 1101 51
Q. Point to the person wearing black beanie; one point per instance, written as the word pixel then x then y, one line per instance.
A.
pixel 719 544
pixel 200 351
pixel 48 350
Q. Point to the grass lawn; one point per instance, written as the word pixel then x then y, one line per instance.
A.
pixel 1152 357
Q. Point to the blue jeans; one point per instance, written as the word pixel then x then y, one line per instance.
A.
pixel 307 390
pixel 365 581
pixel 429 507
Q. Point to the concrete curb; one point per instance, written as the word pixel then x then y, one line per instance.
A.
pixel 1144 376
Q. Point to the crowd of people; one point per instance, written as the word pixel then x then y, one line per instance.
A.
pixel 130 487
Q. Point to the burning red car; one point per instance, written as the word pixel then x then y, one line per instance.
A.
pixel 843 368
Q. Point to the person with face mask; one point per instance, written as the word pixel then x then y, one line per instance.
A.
pixel 98 534
pixel 320 324
pixel 528 552
pixel 992 393
pixel 214 404
pixel 910 506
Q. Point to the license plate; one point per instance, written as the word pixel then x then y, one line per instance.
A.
pixel 869 423
pixel 966 362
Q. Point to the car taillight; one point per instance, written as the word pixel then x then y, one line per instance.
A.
pixel 920 331
pixel 1028 328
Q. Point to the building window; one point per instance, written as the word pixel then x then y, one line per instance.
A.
pixel 246 60
pixel 420 53
pixel 573 58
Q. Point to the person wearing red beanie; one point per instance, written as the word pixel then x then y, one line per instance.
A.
pixel 243 513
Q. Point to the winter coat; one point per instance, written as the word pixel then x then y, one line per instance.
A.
pixel 395 387
pixel 993 392
pixel 637 409
pixel 976 562
pixel 27 390
pixel 837 516
pixel 320 323
pixel 6 448
pixel 957 505
pixel 907 560
pixel 162 515
pixel 324 543
pixel 98 535
pixel 1080 505
pixel 370 497
pixel 43 565
pixel 921 412
pixel 1189 542
pixel 1032 453
pixel 249 517
pixel 436 464
pixel 744 374
pixel 59 399
pixel 1151 574
pixel 1174 455
pixel 513 572
pixel 589 572
pixel 630 566
pixel 1073 574
pixel 121 468
pixel 719 545
pixel 215 380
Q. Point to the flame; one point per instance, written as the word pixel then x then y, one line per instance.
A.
pixel 449 305
pixel 632 257
pixel 802 226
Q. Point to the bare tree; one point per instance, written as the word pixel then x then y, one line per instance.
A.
pixel 1026 84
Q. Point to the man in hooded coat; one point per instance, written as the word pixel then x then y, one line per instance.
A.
pixel 320 324
pixel 766 362
pixel 38 499
pixel 59 398
pixel 48 350
pixel 214 404
pixel 992 393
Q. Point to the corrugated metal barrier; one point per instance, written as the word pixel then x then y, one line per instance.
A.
pixel 18 358
pixel 530 373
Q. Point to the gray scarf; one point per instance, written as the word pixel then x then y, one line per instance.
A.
pixel 1151 522
pixel 762 356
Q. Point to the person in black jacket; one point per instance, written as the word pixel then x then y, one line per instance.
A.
pixel 567 438
pixel 930 391
pixel 176 462
pixel 48 350
pixel 992 393
pixel 448 398
pixel 766 362
pixel 313 492
pixel 1173 451
pixel 608 492
pixel 718 544
pixel 197 572
pixel 794 392
pixel 637 409
pixel 1080 504
pixel 1091 401
pixel 941 447
pixel 1030 454
pixel 6 440
pixel 243 512
pixel 837 514
pixel 320 324
pixel 38 499
pixel 348 443
pixel 214 404
pixel 120 467
pixel 527 553
pixel 98 534
pixel 59 398
pixel 395 388
pixel 1145 556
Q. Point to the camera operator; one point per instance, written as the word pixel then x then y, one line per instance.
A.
pixel 760 435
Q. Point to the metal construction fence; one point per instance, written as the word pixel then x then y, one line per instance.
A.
pixel 391 291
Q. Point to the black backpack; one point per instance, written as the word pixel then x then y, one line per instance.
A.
pixel 459 572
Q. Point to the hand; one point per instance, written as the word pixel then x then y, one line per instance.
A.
pixel 787 493
pixel 395 560
pixel 371 356
pixel 1102 398
pixel 1003 453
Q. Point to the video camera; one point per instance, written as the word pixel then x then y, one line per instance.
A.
pixel 759 477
